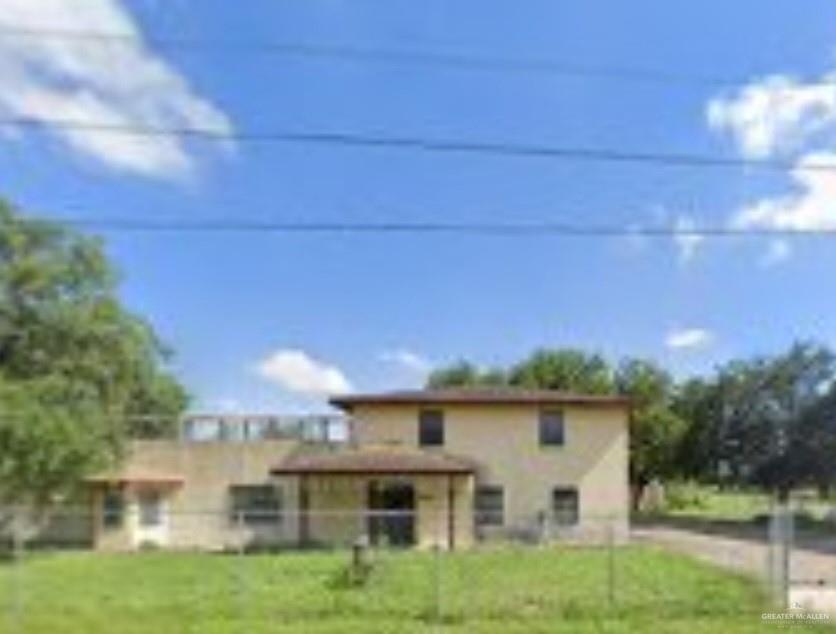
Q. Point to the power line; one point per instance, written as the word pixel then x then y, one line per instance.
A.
pixel 474 228
pixel 422 144
pixel 453 61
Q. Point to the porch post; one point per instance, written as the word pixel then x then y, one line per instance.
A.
pixel 451 513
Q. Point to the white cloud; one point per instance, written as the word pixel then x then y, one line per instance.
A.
pixel 810 207
pixel 408 359
pixel 774 114
pixel 689 339
pixel 121 84
pixel 297 372
pixel 686 238
pixel 779 114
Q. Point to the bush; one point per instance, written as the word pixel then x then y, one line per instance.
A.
pixel 680 496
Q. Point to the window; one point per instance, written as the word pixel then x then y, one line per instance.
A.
pixel 551 428
pixel 113 508
pixel 490 506
pixel 258 504
pixel 150 509
pixel 431 428
pixel 565 506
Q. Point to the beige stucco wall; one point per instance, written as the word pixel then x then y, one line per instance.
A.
pixel 504 441
pixel 198 511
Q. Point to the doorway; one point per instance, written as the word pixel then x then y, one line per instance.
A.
pixel 392 513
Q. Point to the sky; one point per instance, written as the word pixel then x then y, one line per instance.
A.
pixel 275 322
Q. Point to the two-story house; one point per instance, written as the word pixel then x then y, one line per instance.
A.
pixel 423 468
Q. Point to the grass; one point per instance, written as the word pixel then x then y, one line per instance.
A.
pixel 688 500
pixel 484 592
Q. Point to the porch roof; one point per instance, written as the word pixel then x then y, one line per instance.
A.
pixel 374 460
pixel 135 476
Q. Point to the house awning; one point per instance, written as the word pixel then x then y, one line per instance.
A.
pixel 136 477
pixel 374 461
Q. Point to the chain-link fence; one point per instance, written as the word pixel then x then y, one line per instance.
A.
pixel 201 570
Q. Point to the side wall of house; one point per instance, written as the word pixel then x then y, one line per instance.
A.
pixel 198 512
pixel 504 441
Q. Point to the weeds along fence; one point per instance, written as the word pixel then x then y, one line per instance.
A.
pixel 253 568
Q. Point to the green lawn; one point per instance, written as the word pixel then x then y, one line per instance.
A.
pixel 491 592
pixel 707 502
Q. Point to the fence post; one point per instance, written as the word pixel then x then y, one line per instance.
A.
pixel 611 563
pixel 780 546
pixel 17 562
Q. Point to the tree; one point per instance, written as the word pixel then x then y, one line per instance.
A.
pixel 78 372
pixel 566 369
pixel 771 409
pixel 465 374
pixel 655 429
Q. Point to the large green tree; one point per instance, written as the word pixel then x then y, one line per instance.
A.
pixel 79 374
pixel 656 430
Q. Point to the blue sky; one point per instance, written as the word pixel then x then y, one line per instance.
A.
pixel 265 322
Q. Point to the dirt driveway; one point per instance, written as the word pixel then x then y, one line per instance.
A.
pixel 746 549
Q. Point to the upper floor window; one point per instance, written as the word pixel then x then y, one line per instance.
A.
pixel 565 504
pixel 490 506
pixel 431 428
pixel 552 433
pixel 256 504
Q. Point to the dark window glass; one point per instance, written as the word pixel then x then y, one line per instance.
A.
pixel 258 504
pixel 551 428
pixel 431 428
pixel 565 506
pixel 490 506
pixel 113 508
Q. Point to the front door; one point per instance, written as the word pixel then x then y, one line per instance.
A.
pixel 392 513
pixel 152 520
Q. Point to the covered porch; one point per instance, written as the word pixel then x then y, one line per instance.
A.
pixel 391 496
pixel 131 510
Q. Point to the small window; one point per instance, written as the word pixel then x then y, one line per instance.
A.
pixel 113 508
pixel 490 506
pixel 150 509
pixel 431 428
pixel 551 429
pixel 565 506
pixel 254 505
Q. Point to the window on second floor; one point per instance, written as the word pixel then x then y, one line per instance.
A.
pixel 431 428
pixel 552 433
pixel 256 504
pixel 490 505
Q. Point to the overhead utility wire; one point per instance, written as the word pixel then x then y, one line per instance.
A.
pixel 453 61
pixel 423 144
pixel 482 228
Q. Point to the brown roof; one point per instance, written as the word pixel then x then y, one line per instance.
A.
pixel 136 477
pixel 498 396
pixel 373 460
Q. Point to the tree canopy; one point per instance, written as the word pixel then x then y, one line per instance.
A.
pixel 79 373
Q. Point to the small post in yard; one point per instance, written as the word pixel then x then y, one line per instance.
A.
pixel 360 560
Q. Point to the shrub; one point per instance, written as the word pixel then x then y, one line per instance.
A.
pixel 681 496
